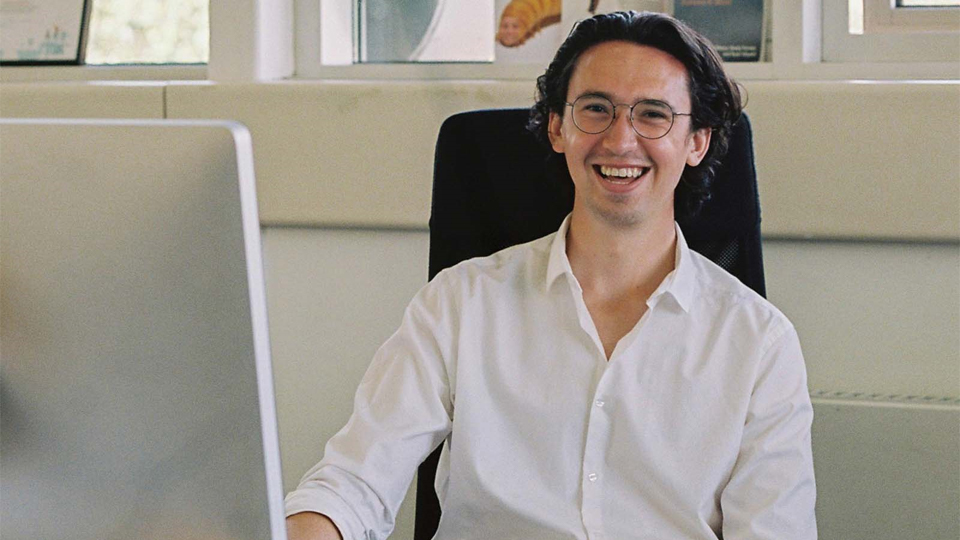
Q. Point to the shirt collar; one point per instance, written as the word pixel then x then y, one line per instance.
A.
pixel 679 283
pixel 559 264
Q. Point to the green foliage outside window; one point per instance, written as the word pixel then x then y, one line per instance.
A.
pixel 149 32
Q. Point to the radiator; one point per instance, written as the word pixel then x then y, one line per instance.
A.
pixel 887 466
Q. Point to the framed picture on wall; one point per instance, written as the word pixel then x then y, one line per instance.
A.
pixel 43 32
pixel 734 26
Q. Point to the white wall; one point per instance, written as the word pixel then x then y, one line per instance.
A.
pixel 860 186
pixel 333 296
pixel 875 317
pixel 835 159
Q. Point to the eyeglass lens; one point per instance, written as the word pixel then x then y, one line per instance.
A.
pixel 594 114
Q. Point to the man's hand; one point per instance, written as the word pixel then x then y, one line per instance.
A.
pixel 311 526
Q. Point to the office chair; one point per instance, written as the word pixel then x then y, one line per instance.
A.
pixel 493 187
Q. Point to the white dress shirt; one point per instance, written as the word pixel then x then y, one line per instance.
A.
pixel 698 426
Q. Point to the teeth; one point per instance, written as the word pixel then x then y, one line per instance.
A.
pixel 631 172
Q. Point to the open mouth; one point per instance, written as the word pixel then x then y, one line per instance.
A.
pixel 620 175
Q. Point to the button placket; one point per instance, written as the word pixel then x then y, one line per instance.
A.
pixel 597 438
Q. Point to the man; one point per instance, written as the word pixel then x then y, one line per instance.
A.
pixel 604 381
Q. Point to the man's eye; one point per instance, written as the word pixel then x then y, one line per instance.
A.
pixel 596 108
pixel 653 114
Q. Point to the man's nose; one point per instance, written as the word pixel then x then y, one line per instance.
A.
pixel 620 136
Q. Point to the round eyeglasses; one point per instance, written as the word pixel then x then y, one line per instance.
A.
pixel 650 118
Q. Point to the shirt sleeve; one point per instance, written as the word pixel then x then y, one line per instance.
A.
pixel 402 411
pixel 772 492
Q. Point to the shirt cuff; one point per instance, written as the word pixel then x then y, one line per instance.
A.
pixel 323 501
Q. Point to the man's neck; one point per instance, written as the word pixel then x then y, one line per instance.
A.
pixel 618 269
pixel 610 261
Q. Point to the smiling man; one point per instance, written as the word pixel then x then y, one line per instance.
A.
pixel 603 382
pixel 625 159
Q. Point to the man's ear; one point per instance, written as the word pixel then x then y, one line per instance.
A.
pixel 699 144
pixel 555 133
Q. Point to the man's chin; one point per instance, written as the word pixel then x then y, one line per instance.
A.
pixel 618 218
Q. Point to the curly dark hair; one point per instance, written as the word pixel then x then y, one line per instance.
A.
pixel 715 98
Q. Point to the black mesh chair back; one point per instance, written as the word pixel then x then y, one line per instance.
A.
pixel 494 187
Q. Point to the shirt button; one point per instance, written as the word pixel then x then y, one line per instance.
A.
pixel 599 403
pixel 592 477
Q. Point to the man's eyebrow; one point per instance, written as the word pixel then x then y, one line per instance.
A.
pixel 657 102
pixel 597 93
pixel 600 93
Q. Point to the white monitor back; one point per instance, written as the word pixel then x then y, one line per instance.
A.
pixel 135 384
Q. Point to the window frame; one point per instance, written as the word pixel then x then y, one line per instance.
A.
pixel 264 40
pixel 898 37
pixel 884 16
pixel 119 72
pixel 805 35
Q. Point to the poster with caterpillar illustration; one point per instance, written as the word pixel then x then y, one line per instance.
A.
pixel 531 31
pixel 528 31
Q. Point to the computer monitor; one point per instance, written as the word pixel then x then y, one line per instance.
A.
pixel 136 396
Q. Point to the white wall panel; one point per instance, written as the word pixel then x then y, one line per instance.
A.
pixel 81 100
pixel 835 159
pixel 872 317
pixel 344 153
pixel 858 159
pixel 334 296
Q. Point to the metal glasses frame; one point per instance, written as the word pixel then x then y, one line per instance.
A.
pixel 673 118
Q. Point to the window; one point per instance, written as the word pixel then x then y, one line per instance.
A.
pixel 425 31
pixel 148 32
pixel 434 38
pixel 801 39
pixel 512 31
pixel 423 39
pixel 886 31
pixel 877 16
